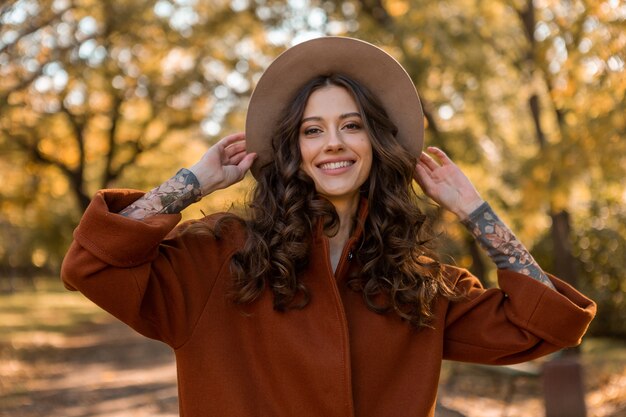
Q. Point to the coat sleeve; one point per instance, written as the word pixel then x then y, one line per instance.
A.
pixel 522 320
pixel 150 277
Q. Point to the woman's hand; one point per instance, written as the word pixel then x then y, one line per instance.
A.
pixel 224 164
pixel 446 184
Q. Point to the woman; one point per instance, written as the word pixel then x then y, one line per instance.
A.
pixel 325 300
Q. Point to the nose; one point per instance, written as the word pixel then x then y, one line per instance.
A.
pixel 334 141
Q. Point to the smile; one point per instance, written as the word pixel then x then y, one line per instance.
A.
pixel 336 165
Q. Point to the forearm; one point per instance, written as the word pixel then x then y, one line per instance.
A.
pixel 501 244
pixel 171 197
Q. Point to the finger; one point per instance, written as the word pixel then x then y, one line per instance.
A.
pixel 428 162
pixel 237 158
pixel 235 148
pixel 423 164
pixel 422 176
pixel 226 141
pixel 246 162
pixel 441 155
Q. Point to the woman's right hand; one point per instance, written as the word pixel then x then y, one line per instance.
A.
pixel 224 164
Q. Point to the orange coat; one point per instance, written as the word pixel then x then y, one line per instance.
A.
pixel 334 358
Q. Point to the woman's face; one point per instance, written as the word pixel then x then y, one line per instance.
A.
pixel 336 150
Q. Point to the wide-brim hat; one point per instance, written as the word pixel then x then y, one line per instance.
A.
pixel 365 63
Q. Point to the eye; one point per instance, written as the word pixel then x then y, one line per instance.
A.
pixel 312 131
pixel 352 126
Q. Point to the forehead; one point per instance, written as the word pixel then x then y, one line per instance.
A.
pixel 330 99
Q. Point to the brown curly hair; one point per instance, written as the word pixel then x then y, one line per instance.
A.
pixel 393 254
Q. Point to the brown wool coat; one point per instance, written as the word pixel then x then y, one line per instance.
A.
pixel 334 358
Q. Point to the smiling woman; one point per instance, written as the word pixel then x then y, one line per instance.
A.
pixel 324 300
pixel 335 147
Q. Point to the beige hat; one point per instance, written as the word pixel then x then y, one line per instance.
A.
pixel 363 62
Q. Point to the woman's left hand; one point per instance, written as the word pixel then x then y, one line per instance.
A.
pixel 446 184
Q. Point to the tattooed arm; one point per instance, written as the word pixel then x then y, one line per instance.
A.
pixel 501 244
pixel 171 197
pixel 443 181
pixel 224 164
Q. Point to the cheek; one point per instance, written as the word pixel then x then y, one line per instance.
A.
pixel 307 152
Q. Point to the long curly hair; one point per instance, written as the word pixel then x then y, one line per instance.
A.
pixel 394 256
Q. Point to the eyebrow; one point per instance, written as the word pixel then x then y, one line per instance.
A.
pixel 343 116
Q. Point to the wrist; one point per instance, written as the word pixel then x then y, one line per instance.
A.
pixel 464 211
pixel 204 180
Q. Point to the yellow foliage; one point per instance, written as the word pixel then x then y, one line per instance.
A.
pixel 136 110
pixel 39 257
pixel 397 7
pixel 468 55
pixel 100 101
pixel 222 200
pixel 59 187
pixel 559 200
pixel 155 129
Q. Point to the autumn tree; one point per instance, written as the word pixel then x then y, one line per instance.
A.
pixel 92 91
pixel 527 96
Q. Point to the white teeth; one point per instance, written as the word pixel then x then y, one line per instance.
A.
pixel 336 165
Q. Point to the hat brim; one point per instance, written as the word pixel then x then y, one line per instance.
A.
pixel 363 62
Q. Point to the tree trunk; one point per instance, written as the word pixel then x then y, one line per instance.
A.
pixel 564 261
pixel 77 182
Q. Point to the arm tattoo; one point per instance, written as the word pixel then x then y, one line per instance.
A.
pixel 501 244
pixel 170 197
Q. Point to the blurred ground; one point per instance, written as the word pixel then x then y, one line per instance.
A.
pixel 60 356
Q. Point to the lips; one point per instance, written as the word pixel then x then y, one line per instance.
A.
pixel 335 165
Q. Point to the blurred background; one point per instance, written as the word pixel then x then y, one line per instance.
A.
pixel 528 96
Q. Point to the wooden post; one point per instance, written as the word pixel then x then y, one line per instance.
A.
pixel 564 394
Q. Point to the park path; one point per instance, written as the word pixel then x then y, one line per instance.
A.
pixel 105 369
pixel 101 370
